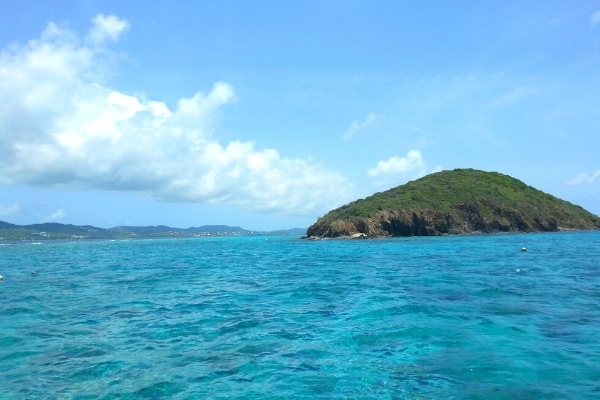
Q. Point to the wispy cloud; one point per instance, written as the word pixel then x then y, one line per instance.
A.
pixel 514 96
pixel 56 216
pixel 360 125
pixel 584 179
pixel 395 169
pixel 59 127
pixel 8 210
pixel 595 19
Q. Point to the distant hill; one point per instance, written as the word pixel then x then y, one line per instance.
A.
pixel 54 230
pixel 293 231
pixel 162 229
pixel 217 229
pixel 6 225
pixel 454 202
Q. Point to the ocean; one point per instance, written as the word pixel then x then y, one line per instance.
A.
pixel 459 317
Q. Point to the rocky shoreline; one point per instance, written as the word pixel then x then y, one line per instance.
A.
pixel 432 223
pixel 362 236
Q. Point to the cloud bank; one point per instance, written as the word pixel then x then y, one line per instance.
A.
pixel 395 169
pixel 60 127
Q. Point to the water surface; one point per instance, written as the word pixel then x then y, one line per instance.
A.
pixel 462 317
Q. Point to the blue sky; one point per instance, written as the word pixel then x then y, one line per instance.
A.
pixel 268 114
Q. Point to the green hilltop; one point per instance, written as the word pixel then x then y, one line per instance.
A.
pixel 454 202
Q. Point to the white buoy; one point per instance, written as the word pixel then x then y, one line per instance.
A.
pixel 1 277
pixel 524 249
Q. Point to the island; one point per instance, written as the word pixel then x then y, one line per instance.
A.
pixel 461 201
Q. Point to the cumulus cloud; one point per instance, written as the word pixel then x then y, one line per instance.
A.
pixel 8 210
pixel 397 168
pixel 595 20
pixel 584 179
pixel 56 216
pixel 413 162
pixel 105 28
pixel 359 125
pixel 60 127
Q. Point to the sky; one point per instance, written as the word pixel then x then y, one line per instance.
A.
pixel 267 114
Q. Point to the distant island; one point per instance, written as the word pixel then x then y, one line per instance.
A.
pixel 454 202
pixel 53 230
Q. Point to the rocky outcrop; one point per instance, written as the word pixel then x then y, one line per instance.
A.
pixel 464 219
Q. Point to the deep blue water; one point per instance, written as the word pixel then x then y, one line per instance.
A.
pixel 463 317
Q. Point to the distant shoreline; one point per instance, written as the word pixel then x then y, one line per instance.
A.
pixel 57 231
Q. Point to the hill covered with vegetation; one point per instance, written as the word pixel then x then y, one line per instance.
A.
pixel 454 202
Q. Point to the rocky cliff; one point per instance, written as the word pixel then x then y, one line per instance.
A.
pixel 454 202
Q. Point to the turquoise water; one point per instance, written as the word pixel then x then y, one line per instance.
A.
pixel 463 317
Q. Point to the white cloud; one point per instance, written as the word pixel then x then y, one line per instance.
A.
pixel 59 127
pixel 584 179
pixel 8 210
pixel 56 216
pixel 359 126
pixel 413 162
pixel 107 27
pixel 595 18
pixel 395 169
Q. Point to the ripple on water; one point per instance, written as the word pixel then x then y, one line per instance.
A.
pixel 100 370
pixel 249 318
